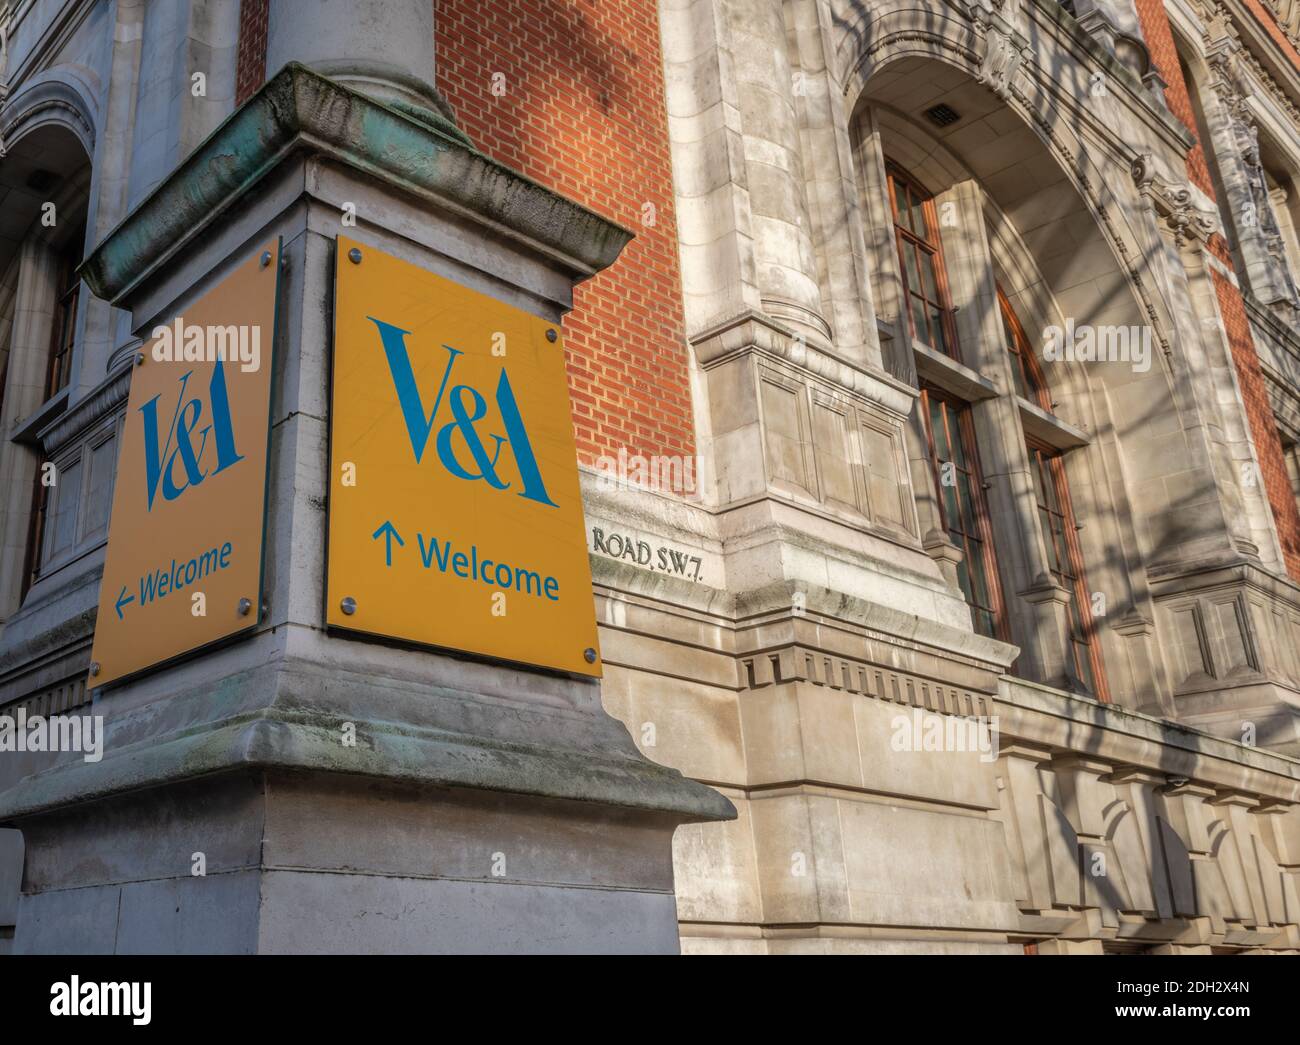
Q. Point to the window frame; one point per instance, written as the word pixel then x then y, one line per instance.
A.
pixel 63 329
pixel 932 246
pixel 35 531
pixel 1023 360
pixel 983 533
pixel 1080 593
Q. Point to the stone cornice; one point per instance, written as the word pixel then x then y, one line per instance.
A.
pixel 1045 716
pixel 753 330
pixel 99 403
pixel 1228 25
pixel 1171 582
pixel 1149 105
pixel 287 718
pixel 299 110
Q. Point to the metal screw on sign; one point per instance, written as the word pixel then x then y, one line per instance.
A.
pixel 551 335
pixel 139 359
pixel 589 655
pixel 354 256
pixel 266 258
pixel 349 605
pixel 94 667
pixel 245 605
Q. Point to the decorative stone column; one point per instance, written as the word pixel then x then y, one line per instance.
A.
pixel 1236 150
pixel 376 47
pixel 785 263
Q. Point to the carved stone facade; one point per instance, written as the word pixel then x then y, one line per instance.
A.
pixel 1059 183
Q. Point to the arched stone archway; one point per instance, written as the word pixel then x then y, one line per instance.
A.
pixel 62 97
pixel 1155 476
pixel 48 133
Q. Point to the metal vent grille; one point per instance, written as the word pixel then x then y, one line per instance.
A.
pixel 942 115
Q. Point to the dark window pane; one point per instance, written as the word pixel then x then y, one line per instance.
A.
pixel 918 218
pixel 940 334
pixel 931 288
pixel 918 321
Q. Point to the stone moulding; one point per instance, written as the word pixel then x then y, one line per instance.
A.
pixel 107 398
pixel 298 109
pixel 752 330
pixel 1173 202
pixel 286 717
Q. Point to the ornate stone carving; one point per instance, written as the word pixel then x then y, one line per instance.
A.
pixel 1257 224
pixel 1004 51
pixel 1288 17
pixel 1174 203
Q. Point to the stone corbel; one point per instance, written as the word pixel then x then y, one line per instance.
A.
pixel 1155 83
pixel 1005 50
pixel 1045 590
pixel 939 546
pixel 1174 204
pixel 1223 55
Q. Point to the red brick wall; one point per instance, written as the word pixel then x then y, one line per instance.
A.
pixel 1164 56
pixel 250 61
pixel 583 113
pixel 1250 378
pixel 1263 428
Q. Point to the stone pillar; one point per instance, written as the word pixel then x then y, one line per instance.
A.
pixel 831 185
pixel 377 47
pixel 786 265
pixel 29 355
pixel 483 807
pixel 184 79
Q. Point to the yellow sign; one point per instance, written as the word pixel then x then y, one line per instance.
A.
pixel 184 560
pixel 455 518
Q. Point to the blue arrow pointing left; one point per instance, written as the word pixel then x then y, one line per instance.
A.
pixel 122 601
pixel 389 532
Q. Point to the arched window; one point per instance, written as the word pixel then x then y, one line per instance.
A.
pixel 920 258
pixel 58 373
pixel 946 419
pixel 1055 513
pixel 955 403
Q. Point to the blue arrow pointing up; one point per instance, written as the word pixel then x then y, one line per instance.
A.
pixel 389 533
pixel 122 601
